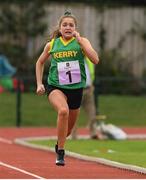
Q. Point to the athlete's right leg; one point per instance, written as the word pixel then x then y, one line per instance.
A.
pixel 58 100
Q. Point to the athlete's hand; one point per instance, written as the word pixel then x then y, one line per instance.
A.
pixel 77 36
pixel 40 89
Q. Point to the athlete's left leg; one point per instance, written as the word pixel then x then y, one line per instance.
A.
pixel 73 116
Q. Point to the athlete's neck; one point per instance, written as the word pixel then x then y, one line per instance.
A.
pixel 67 39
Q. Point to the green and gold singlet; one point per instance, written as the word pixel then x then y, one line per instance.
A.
pixel 67 69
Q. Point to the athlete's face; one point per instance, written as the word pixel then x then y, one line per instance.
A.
pixel 67 28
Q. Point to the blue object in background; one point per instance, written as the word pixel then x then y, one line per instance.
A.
pixel 6 69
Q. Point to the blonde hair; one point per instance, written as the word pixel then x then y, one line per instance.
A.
pixel 56 33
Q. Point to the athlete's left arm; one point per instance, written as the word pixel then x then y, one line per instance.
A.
pixel 88 50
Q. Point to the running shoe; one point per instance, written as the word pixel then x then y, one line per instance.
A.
pixel 60 157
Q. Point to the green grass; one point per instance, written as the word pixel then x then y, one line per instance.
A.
pixel 124 110
pixel 127 151
pixel 36 111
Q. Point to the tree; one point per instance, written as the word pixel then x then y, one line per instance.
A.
pixel 20 23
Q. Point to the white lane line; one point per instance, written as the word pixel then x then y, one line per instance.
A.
pixel 21 170
pixel 5 140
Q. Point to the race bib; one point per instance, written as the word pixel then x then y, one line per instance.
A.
pixel 69 72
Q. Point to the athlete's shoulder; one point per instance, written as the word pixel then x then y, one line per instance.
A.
pixel 49 45
pixel 85 39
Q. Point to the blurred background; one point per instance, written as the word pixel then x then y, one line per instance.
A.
pixel 115 28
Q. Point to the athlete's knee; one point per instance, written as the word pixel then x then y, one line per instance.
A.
pixel 63 112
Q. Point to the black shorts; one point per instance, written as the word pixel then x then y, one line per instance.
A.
pixel 74 96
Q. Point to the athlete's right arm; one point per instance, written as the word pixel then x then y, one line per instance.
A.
pixel 40 69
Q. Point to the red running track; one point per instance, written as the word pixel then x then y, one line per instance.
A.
pixel 31 163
